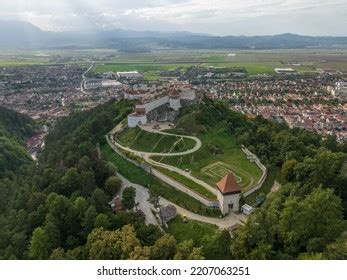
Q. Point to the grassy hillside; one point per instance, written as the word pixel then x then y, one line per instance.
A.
pixel 157 188
pixel 141 140
pixel 220 154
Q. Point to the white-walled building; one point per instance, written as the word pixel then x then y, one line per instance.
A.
pixel 136 119
pixel 174 96
pixel 229 193
pixel 285 71
pixel 129 75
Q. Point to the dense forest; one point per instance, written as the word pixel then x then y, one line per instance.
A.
pixel 305 219
pixel 58 208
pixel 14 129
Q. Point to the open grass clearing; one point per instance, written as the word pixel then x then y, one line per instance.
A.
pixel 190 184
pixel 141 140
pixel 218 155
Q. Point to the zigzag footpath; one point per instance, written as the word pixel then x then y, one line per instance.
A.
pixel 147 157
pixel 178 186
pixel 228 221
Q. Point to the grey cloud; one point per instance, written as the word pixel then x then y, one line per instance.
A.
pixel 215 16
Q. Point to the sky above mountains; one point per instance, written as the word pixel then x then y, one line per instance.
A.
pixel 217 17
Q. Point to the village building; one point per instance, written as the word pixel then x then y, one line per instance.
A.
pixel 116 204
pixel 229 193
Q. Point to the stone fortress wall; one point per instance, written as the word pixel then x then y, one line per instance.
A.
pixel 168 98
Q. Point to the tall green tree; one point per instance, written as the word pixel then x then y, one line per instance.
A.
pixel 128 198
pixel 113 185
pixel 40 247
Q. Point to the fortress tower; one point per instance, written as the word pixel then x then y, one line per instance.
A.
pixel 137 118
pixel 175 100
pixel 228 194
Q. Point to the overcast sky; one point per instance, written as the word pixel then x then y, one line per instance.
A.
pixel 219 17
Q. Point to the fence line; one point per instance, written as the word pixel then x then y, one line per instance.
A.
pixel 253 158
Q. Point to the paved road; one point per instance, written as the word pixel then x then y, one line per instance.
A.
pixel 142 197
pixel 223 223
pixel 169 180
pixel 181 172
pixel 84 78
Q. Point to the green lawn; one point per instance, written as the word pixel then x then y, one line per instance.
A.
pixel 195 230
pixel 22 62
pixel 156 187
pixel 143 67
pixel 219 155
pixel 151 69
pixel 152 76
pixel 252 68
pixel 142 140
pixel 188 183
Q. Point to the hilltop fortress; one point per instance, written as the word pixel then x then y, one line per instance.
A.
pixel 160 103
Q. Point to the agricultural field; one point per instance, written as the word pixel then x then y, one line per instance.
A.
pixel 141 140
pixel 142 67
pixel 5 62
pixel 255 62
pixel 150 63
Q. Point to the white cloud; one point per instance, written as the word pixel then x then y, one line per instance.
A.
pixel 217 16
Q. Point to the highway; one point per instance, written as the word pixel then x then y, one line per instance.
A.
pixel 84 78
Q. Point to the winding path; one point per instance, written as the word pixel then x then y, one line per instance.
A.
pixel 224 223
pixel 147 155
pixel 169 154
pixel 84 78
pixel 142 196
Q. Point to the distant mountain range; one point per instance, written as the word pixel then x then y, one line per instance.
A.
pixel 24 35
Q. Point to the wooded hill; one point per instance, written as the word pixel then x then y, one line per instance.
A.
pixel 58 209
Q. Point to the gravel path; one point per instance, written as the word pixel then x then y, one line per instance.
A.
pixel 142 197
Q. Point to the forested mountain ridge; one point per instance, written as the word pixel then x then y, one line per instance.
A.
pixel 59 208
pixel 15 125
pixel 15 128
pixel 16 34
